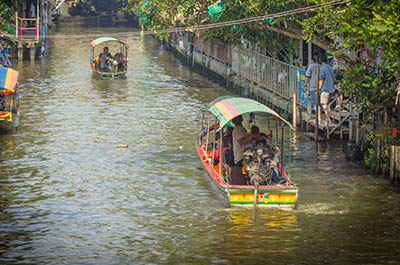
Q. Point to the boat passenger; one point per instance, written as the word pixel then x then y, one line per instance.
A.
pixel 274 164
pixel 240 138
pixel 104 59
pixel 259 137
pixel 216 149
pixel 119 57
pixel 228 150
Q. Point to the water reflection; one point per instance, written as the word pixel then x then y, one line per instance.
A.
pixel 116 90
pixel 69 196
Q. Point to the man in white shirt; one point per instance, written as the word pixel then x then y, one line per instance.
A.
pixel 240 139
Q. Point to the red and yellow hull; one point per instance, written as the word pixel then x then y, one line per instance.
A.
pixel 8 120
pixel 281 196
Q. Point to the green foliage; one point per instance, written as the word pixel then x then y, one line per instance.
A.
pixel 370 157
pixel 366 28
pixel 7 12
pixel 359 23
pixel 161 14
pixel 371 25
pixel 353 25
pixel 378 162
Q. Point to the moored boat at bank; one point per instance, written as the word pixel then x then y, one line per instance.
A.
pixel 9 101
pixel 109 58
pixel 263 179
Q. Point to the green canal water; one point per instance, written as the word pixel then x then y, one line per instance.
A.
pixel 68 195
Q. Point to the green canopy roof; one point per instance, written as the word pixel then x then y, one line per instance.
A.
pixel 105 39
pixel 226 108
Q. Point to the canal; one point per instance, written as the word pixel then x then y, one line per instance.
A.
pixel 68 195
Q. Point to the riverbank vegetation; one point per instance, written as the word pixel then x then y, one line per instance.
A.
pixel 7 11
pixel 363 34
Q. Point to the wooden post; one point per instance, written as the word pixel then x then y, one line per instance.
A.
pixel 378 156
pixel 394 163
pixel 309 51
pixel 318 109
pixel 16 25
pixel 358 137
pixel 32 51
pixel 20 51
pixel 328 119
pixel 294 110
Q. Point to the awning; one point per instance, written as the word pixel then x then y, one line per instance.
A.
pixel 226 108
pixel 105 39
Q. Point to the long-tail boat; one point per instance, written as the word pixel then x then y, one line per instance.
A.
pixel 266 183
pixel 109 58
pixel 9 102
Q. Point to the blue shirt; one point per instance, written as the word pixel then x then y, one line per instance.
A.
pixel 326 75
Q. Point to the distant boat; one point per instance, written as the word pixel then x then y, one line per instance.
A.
pixel 266 183
pixel 9 101
pixel 110 65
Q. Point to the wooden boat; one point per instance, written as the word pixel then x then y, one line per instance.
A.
pixel 9 111
pixel 259 168
pixel 112 64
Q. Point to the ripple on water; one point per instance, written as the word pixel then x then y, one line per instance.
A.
pixel 68 195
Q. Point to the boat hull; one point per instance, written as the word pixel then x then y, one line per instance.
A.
pixel 108 75
pixel 9 121
pixel 279 196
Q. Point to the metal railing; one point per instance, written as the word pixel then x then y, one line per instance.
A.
pixel 27 28
pixel 273 75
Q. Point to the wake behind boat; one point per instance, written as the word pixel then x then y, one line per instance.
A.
pixel 259 179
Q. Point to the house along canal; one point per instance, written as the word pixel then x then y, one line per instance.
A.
pixel 69 195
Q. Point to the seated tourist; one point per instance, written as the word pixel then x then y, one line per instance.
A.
pixel 105 56
pixel 259 137
pixel 121 62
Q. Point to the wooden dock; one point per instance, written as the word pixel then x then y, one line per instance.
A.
pixel 340 125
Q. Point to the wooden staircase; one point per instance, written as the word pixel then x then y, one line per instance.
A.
pixel 339 123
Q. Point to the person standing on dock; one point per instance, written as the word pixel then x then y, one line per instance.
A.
pixel 312 80
pixel 326 85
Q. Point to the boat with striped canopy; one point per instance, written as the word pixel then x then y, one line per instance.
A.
pixel 9 103
pixel 265 181
pixel 109 58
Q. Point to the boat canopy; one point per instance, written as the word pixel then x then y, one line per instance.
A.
pixel 8 80
pixel 225 108
pixel 105 39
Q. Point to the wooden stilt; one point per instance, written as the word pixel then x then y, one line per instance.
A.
pixel 32 52
pixel 394 164
pixel 20 52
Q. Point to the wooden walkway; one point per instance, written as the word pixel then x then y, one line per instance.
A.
pixel 341 122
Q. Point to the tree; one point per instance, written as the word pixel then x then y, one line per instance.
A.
pixel 370 46
pixel 7 11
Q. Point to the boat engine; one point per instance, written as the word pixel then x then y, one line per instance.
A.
pixel 259 165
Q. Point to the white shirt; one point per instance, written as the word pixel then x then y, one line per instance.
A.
pixel 238 133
